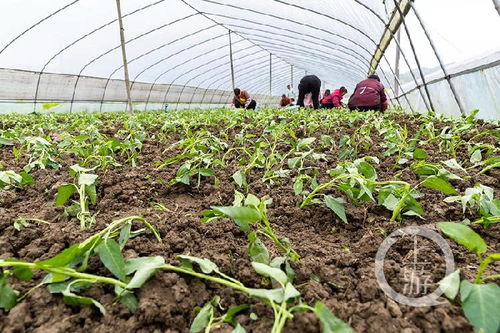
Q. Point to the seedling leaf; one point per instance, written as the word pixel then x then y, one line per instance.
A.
pixel 337 205
pixel 87 179
pixel 64 193
pixel 143 270
pixel 329 322
pixel 274 295
pixel 111 256
pixel 244 214
pixel 206 265
pixel 439 184
pixel 8 296
pixel 73 299
pixel 271 272
pixel 481 305
pixel 463 235
pixel 202 318
pixel 257 250
pixel 62 259
pixel 450 284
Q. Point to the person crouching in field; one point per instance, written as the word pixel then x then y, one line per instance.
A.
pixel 285 101
pixel 242 99
pixel 334 100
pixel 310 84
pixel 369 95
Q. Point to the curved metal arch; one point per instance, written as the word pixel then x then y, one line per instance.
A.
pixel 341 60
pixel 163 59
pixel 116 47
pixel 398 45
pixel 193 69
pixel 277 46
pixel 265 68
pixel 296 6
pixel 377 46
pixel 147 53
pixel 172 82
pixel 313 27
pixel 355 55
pixel 82 38
pixel 248 70
pixel 181 64
pixel 216 78
pixel 204 73
pixel 36 24
pixel 264 64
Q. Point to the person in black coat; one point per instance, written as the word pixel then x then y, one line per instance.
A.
pixel 309 84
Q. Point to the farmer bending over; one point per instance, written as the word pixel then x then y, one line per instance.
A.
pixel 369 95
pixel 334 100
pixel 309 84
pixel 285 101
pixel 242 99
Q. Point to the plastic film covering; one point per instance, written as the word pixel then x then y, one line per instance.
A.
pixel 183 52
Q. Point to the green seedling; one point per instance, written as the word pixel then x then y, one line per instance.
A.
pixel 22 222
pixel 206 320
pixel 358 180
pixel 247 213
pixel 42 154
pixel 480 199
pixel 284 299
pixel 84 186
pixel 11 179
pixel 480 300
pixel 66 272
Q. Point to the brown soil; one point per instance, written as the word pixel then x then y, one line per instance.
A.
pixel 336 265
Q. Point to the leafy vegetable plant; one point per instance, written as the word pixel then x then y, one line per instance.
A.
pixel 480 301
pixel 480 199
pixel 85 186
pixel 66 272
pixel 248 212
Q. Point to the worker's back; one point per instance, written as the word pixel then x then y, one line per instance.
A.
pixel 368 92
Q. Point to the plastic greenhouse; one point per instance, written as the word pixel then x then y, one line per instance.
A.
pixel 182 51
pixel 250 166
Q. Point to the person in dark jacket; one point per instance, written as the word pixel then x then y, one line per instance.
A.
pixel 309 84
pixel 368 95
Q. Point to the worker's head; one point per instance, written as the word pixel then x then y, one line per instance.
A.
pixel 237 91
pixel 343 91
pixel 374 77
pixel 288 86
pixel 327 92
pixel 283 96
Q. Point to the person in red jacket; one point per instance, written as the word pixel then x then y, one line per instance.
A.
pixel 334 100
pixel 368 95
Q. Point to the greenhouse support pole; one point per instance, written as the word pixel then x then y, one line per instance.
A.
pixel 291 76
pixel 436 53
pixel 231 59
pixel 412 46
pixel 396 65
pixel 124 56
pixel 270 74
pixel 497 5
